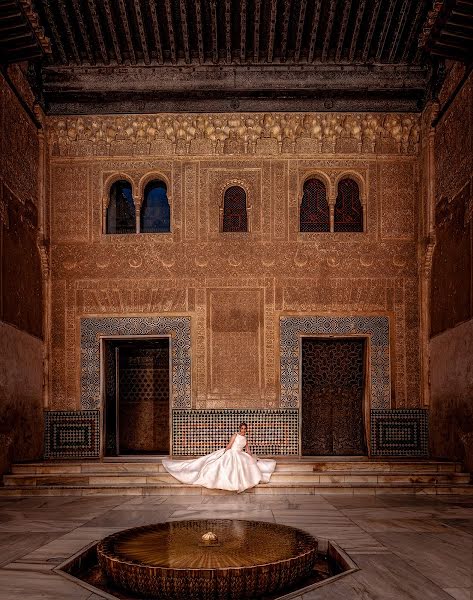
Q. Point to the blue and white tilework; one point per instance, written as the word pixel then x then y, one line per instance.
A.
pixel 376 327
pixel 399 432
pixel 178 328
pixel 72 434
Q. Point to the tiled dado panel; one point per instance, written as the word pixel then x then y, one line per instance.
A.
pixel 92 329
pixel 376 327
pixel 76 434
pixel 72 434
pixel 270 432
pixel 399 432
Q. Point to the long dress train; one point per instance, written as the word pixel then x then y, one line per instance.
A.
pixel 232 469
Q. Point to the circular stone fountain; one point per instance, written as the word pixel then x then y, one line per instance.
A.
pixel 207 559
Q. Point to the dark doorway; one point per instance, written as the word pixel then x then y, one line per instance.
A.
pixel 333 373
pixel 136 396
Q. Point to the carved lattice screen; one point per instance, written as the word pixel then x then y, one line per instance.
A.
pixel 348 207
pixel 314 214
pixel 235 217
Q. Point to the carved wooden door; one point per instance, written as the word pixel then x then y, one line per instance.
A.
pixel 137 397
pixel 332 397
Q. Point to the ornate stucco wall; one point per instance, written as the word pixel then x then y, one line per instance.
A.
pixel 235 287
pixel 451 344
pixel 21 305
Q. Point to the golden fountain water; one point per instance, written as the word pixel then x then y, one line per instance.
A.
pixel 207 559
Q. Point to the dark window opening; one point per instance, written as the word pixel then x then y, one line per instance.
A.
pixel 314 215
pixel 155 212
pixel 348 207
pixel 121 209
pixel 235 217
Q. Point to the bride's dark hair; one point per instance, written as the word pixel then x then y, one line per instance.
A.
pixel 243 424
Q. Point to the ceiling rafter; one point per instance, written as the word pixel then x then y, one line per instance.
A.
pixel 70 34
pixel 200 33
pixel 285 29
pixel 83 31
pixel 314 29
pixel 55 32
pixel 343 30
pixel 371 28
pixel 328 30
pixel 412 32
pixel 213 19
pixel 98 31
pixel 172 37
pixel 242 31
pixel 272 29
pixel 185 31
pixel 228 30
pixel 402 18
pixel 300 30
pixel 157 36
pixel 113 33
pixel 356 30
pixel 256 32
pixel 141 31
pixel 126 27
pixel 386 25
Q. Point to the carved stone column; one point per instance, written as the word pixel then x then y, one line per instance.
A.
pixel 331 208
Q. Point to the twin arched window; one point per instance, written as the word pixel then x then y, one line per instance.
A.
pixel 155 215
pixel 315 212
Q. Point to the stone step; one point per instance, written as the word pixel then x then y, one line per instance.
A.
pixel 292 477
pixel 262 489
pixel 283 465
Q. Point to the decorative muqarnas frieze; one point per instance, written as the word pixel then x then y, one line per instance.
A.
pixel 243 133
pixel 376 328
pixel 270 432
pixel 399 432
pixel 178 328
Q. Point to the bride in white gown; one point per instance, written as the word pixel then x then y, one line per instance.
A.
pixel 225 469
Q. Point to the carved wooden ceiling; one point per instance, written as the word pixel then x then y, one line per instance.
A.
pixel 211 55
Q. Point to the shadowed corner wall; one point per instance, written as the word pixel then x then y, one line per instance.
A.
pixel 451 343
pixel 235 287
pixel 21 306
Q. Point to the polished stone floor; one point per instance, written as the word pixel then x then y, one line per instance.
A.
pixel 407 547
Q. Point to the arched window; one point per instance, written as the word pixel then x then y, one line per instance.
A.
pixel 121 208
pixel 348 208
pixel 235 217
pixel 155 211
pixel 314 215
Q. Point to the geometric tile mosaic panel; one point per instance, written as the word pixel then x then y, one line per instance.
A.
pixel 72 434
pixel 270 432
pixel 178 328
pixel 376 327
pixel 400 432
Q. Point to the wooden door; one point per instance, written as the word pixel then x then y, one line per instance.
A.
pixel 332 396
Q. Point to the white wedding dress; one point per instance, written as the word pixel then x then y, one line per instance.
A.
pixel 232 469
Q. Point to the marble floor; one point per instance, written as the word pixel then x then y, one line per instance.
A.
pixel 407 547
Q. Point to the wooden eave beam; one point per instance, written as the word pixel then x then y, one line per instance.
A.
pixel 70 34
pixel 328 30
pixel 371 28
pixel 242 31
pixel 54 30
pixel 200 33
pixel 213 20
pixel 412 32
pixel 98 31
pixel 285 29
pixel 356 30
pixel 343 30
pixel 141 31
pixel 386 25
pixel 157 36
pixel 228 31
pixel 185 31
pixel 272 29
pixel 111 28
pixel 256 32
pixel 126 28
pixel 300 30
pixel 401 23
pixel 313 30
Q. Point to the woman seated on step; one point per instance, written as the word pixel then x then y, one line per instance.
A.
pixel 232 468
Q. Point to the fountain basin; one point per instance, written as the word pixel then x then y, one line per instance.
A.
pixel 168 560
